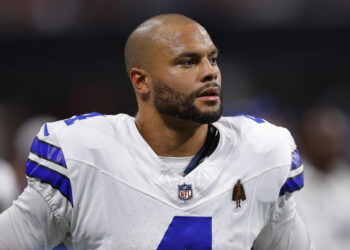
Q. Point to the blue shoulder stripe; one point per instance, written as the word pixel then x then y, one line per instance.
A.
pixel 296 160
pixel 293 184
pixel 48 152
pixel 49 176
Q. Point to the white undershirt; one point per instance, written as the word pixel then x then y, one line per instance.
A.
pixel 178 164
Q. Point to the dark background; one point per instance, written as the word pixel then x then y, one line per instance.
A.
pixel 65 57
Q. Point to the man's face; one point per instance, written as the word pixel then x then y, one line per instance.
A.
pixel 185 76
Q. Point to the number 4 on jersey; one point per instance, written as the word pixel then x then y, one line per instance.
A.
pixel 71 121
pixel 256 119
pixel 191 233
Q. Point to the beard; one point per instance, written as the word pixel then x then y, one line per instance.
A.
pixel 180 105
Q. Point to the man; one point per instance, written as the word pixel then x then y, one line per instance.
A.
pixel 323 136
pixel 162 180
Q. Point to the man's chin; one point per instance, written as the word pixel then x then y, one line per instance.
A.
pixel 208 114
pixel 205 117
pixel 209 118
pixel 197 113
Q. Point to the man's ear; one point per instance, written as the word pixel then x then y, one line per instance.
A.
pixel 140 80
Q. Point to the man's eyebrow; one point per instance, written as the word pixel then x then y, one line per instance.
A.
pixel 194 54
pixel 186 54
pixel 214 51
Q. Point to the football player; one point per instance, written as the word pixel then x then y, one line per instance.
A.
pixel 177 176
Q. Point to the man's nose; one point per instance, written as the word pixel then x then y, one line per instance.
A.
pixel 209 72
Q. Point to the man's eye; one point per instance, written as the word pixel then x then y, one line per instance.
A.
pixel 213 60
pixel 189 62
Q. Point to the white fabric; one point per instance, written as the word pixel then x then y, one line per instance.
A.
pixel 179 164
pixel 29 224
pixel 8 185
pixel 324 205
pixel 125 196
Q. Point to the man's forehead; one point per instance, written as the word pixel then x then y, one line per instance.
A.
pixel 192 31
pixel 165 36
pixel 177 38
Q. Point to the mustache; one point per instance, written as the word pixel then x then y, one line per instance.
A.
pixel 207 85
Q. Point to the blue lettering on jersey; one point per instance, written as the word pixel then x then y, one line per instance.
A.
pixel 256 119
pixel 46 131
pixel 192 233
pixel 71 121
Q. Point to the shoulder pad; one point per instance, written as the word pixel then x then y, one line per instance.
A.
pixel 259 133
pixel 91 130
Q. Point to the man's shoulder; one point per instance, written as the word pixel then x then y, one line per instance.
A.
pixel 257 132
pixel 259 146
pixel 91 125
pixel 87 131
pixel 267 152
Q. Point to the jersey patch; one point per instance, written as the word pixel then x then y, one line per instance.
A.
pixel 185 191
pixel 238 193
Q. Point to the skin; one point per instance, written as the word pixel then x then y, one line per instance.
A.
pixel 170 59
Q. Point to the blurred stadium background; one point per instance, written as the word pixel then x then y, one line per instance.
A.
pixel 280 60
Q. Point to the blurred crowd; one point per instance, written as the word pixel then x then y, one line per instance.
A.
pixel 286 61
pixel 62 15
pixel 324 202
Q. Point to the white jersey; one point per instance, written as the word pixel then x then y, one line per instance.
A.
pixel 94 183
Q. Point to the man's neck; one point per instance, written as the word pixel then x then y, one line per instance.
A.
pixel 169 136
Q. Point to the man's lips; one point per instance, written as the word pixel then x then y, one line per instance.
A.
pixel 209 94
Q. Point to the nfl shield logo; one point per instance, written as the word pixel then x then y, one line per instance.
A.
pixel 185 192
